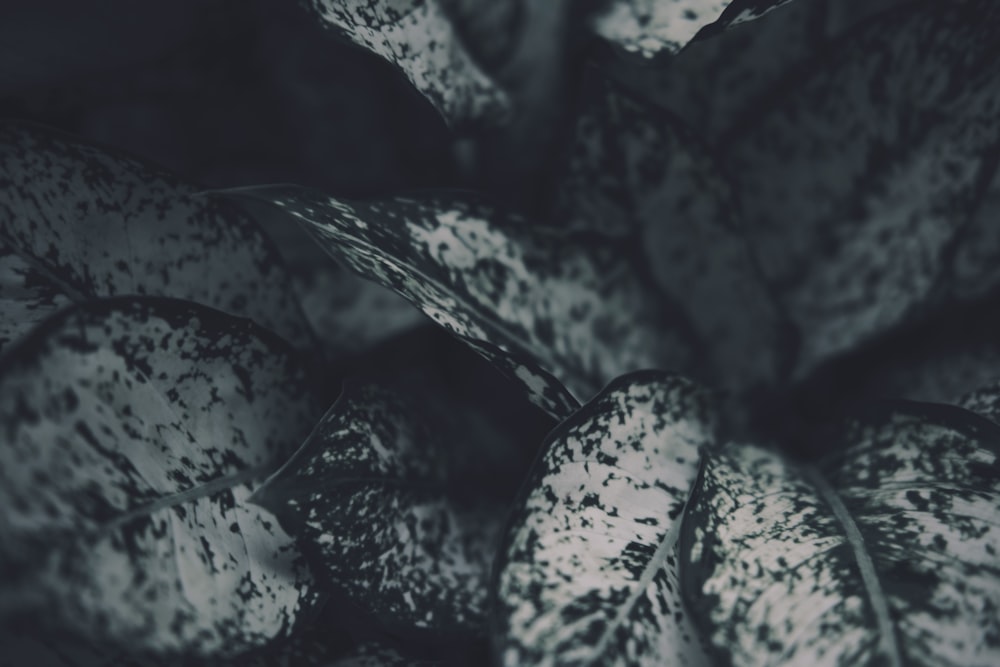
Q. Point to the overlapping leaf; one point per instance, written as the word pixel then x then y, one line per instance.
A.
pixel 418 36
pixel 386 496
pixel 134 430
pixel 587 571
pixel 575 308
pixel 858 182
pixel 652 28
pixel 99 224
pixel 636 171
pixel 27 297
pixel 885 554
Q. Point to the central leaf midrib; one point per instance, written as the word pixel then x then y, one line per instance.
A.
pixel 888 639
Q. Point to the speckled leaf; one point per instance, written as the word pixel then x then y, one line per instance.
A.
pixel 418 36
pixel 134 430
pixel 636 170
pixel 372 497
pixel 575 306
pixel 27 296
pixel 101 224
pixel 857 183
pixel 586 573
pixel 886 554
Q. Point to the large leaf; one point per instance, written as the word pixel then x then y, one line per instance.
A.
pixel 885 554
pixel 652 28
pixel 27 296
pixel 419 37
pixel 389 497
pixel 555 309
pixel 99 224
pixel 637 171
pixel 858 182
pixel 587 572
pixel 134 430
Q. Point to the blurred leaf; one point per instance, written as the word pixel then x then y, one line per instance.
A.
pixel 99 224
pixel 858 182
pixel 587 573
pixel 27 297
pixel 419 37
pixel 387 498
pixel 135 429
pixel 636 171
pixel 376 655
pixel 552 309
pixel 885 554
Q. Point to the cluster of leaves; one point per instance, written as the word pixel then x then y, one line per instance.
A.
pixel 223 447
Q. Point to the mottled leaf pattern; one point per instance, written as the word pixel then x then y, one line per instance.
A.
pixel 636 171
pixel 27 297
pixel 575 306
pixel 418 36
pixel 858 182
pixel 134 430
pixel 587 573
pixel 885 554
pixel 653 27
pixel 105 225
pixel 368 494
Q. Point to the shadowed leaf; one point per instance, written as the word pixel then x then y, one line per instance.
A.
pixel 133 431
pixel 587 572
pixel 885 554
pixel 27 297
pixel 97 224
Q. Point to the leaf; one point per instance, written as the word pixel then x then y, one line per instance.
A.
pixel 99 224
pixel 134 430
pixel 27 297
pixel 386 497
pixel 586 573
pixel 857 182
pixel 884 554
pixel 574 308
pixel 634 170
pixel 376 655
pixel 419 37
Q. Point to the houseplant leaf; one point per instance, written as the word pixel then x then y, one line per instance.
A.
pixel 27 297
pixel 883 554
pixel 635 170
pixel 419 37
pixel 100 224
pixel 574 307
pixel 386 497
pixel 854 192
pixel 586 573
pixel 134 430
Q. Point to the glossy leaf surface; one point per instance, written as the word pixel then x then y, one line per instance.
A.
pixel 134 430
pixel 885 554
pixel 587 571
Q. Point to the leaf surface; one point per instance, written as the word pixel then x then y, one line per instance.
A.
pixel 586 573
pixel 100 224
pixel 857 183
pixel 419 37
pixel 386 498
pixel 884 554
pixel 27 297
pixel 562 315
pixel 134 430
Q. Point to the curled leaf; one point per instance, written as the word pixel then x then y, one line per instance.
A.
pixel 587 571
pixel 134 431
pixel 419 37
pixel 574 306
pixel 884 554
pixel 98 224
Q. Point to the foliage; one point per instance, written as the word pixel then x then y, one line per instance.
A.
pixel 566 346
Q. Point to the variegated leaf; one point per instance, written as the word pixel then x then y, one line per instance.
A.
pixel 419 37
pixel 652 28
pixel 575 306
pixel 587 573
pixel 101 224
pixel 635 170
pixel 27 296
pixel 886 554
pixel 858 182
pixel 134 430
pixel 383 497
